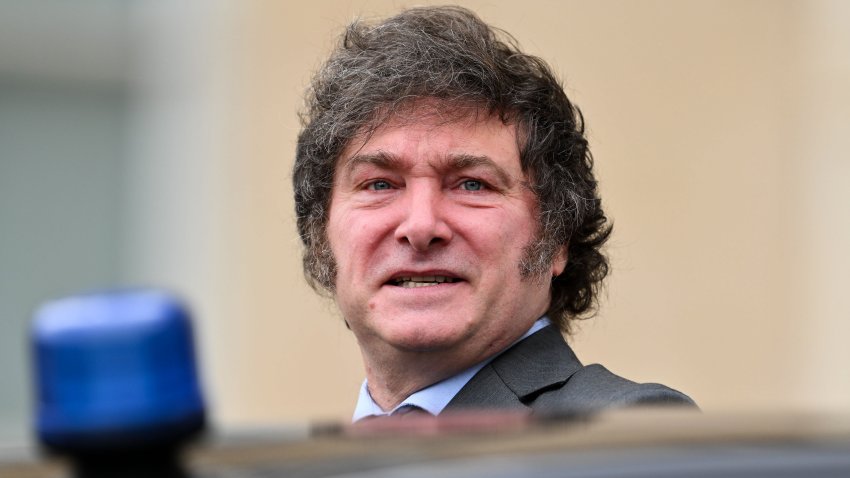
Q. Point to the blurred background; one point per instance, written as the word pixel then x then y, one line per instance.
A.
pixel 150 143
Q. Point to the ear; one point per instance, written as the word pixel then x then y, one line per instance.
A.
pixel 559 262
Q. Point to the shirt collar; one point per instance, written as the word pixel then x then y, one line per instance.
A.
pixel 434 398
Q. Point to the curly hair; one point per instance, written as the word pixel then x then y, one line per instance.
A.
pixel 449 55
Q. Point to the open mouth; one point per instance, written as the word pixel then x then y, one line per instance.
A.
pixel 421 281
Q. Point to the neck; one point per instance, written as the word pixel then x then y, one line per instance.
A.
pixel 395 371
pixel 391 380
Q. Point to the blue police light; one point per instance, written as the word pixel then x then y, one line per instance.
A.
pixel 115 370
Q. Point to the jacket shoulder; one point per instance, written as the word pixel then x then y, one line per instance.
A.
pixel 594 388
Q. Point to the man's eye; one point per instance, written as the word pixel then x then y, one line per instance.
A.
pixel 379 185
pixel 472 185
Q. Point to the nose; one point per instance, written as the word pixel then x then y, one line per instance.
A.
pixel 423 224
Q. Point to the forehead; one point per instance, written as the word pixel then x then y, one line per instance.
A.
pixel 428 135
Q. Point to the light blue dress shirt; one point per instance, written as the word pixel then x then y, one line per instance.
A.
pixel 433 399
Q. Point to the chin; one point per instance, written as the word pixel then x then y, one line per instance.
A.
pixel 421 334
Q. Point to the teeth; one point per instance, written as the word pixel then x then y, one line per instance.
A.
pixel 422 281
pixel 408 285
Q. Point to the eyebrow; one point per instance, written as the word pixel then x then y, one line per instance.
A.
pixel 458 162
pixel 381 159
pixel 468 161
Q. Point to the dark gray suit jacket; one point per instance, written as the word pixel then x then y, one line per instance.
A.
pixel 541 374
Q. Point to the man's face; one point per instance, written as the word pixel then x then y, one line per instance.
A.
pixel 428 224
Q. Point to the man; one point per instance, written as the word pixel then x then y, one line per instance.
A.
pixel 446 200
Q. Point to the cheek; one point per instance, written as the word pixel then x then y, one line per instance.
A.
pixel 507 233
pixel 340 243
pixel 334 241
pixel 354 238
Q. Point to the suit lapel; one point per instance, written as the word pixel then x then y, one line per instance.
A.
pixel 513 379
